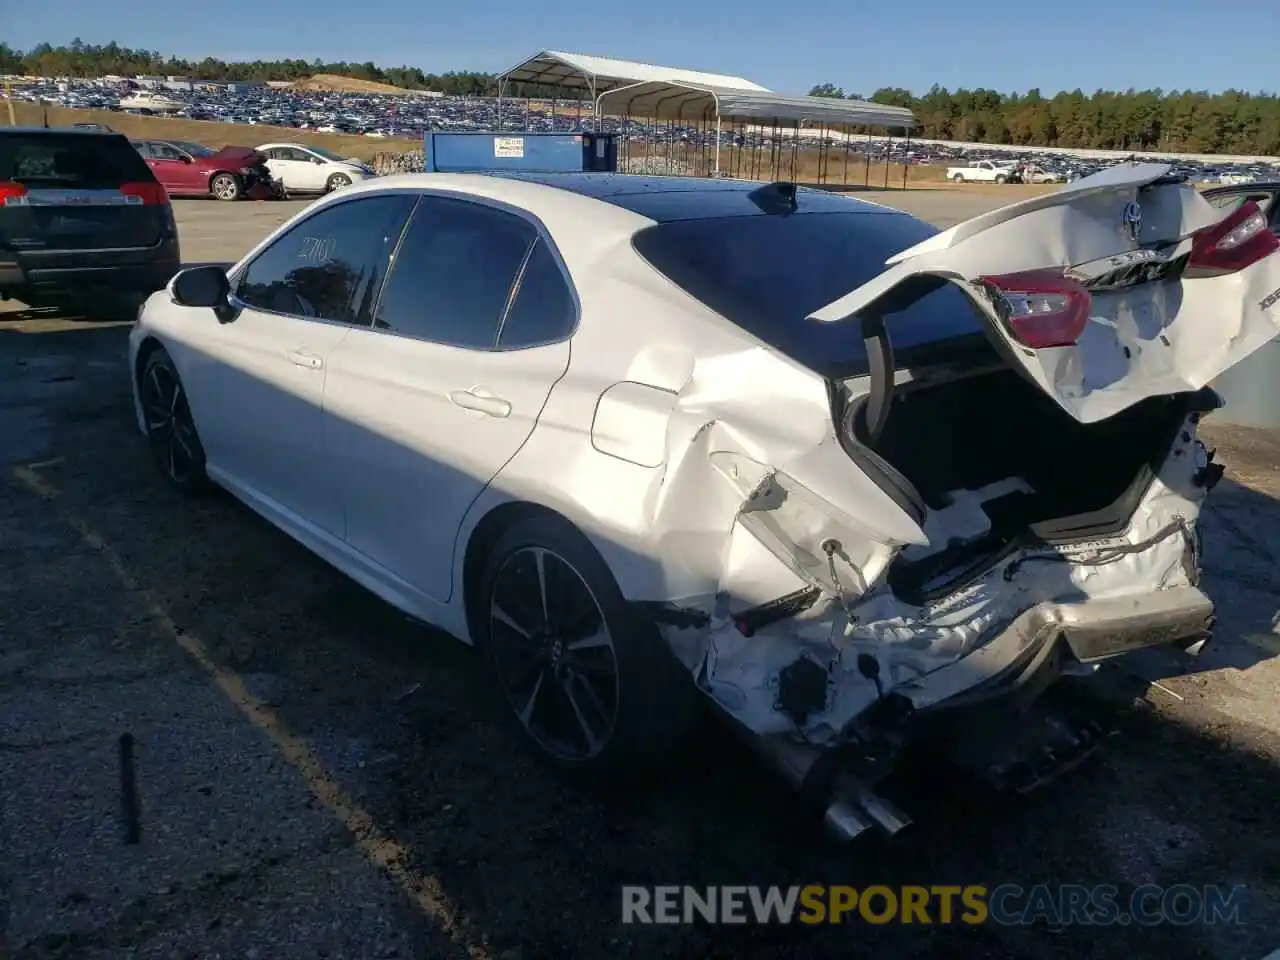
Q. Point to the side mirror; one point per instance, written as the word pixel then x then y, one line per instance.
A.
pixel 205 286
pixel 317 161
pixel 185 159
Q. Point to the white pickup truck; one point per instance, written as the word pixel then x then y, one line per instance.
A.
pixel 981 171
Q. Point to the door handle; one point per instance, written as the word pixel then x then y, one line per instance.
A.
pixel 482 401
pixel 300 358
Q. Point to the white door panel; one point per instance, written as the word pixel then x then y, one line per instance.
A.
pixel 265 429
pixel 415 431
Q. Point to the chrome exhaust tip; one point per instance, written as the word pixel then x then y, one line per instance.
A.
pixel 851 807
pixel 845 821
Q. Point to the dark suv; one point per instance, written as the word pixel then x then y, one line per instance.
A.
pixel 83 221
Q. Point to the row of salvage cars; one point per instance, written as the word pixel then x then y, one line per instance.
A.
pixel 645 440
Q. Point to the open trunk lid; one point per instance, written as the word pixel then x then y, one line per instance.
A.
pixel 1118 287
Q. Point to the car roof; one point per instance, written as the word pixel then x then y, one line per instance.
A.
pixel 668 198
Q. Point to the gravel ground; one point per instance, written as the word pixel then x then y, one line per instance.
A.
pixel 317 777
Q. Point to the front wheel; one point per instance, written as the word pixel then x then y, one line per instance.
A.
pixel 1002 179
pixel 225 187
pixel 957 178
pixel 337 182
pixel 592 686
pixel 171 431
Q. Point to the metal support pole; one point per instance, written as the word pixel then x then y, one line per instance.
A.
pixel 822 153
pixel 888 152
pixel 906 159
pixel 717 170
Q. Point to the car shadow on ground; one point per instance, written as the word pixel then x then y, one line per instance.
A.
pixel 405 719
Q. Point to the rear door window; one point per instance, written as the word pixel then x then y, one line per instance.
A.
pixel 454 273
pixel 544 309
pixel 329 266
pixel 767 273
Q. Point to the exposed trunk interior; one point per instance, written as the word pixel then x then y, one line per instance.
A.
pixel 996 461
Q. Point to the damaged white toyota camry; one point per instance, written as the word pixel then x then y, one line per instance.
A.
pixel 855 481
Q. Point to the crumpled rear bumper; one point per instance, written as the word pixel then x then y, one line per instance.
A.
pixel 1054 632
pixel 983 708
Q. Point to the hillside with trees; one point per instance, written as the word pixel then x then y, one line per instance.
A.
pixel 1179 120
pixel 89 60
pixel 1184 121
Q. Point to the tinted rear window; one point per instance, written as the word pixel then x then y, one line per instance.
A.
pixel 768 273
pixel 70 161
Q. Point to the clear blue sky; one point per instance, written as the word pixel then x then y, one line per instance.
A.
pixel 856 44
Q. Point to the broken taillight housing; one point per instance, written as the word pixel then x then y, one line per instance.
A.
pixel 1239 240
pixel 1041 308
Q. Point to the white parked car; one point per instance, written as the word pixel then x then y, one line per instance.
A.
pixel 303 168
pixel 981 171
pixel 641 439
pixel 1032 173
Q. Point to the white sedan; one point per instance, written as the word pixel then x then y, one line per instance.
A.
pixel 648 439
pixel 303 168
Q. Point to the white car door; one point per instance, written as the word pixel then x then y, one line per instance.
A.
pixel 313 170
pixel 296 300
pixel 292 167
pixel 426 406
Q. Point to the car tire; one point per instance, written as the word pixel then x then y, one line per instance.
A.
pixel 337 182
pixel 1001 178
pixel 225 186
pixel 588 682
pixel 171 429
pixel 957 178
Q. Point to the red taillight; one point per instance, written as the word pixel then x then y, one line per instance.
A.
pixel 1238 241
pixel 150 192
pixel 12 194
pixel 1041 308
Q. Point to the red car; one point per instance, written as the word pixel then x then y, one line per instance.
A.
pixel 192 169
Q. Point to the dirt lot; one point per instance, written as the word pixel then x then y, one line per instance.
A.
pixel 317 777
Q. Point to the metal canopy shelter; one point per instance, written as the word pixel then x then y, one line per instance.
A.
pixel 627 88
pixel 596 75
pixel 670 100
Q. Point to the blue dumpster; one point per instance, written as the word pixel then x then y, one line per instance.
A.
pixel 449 152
